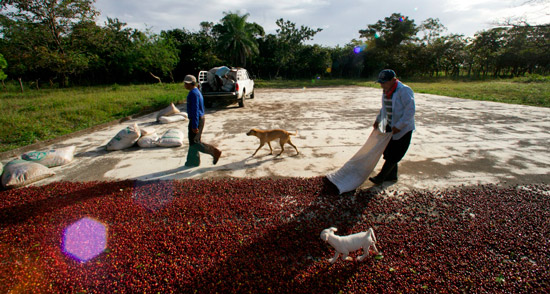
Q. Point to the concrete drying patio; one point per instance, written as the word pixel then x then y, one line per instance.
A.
pixel 457 141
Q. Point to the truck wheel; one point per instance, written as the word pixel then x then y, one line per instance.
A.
pixel 252 95
pixel 241 101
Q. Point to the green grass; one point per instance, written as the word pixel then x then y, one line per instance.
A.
pixel 26 118
pixel 534 94
pixel 39 115
pixel 534 90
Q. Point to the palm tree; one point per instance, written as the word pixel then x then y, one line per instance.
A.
pixel 237 38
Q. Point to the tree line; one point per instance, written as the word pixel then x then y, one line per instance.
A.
pixel 59 43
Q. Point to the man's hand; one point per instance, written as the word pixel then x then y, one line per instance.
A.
pixel 196 131
pixel 395 130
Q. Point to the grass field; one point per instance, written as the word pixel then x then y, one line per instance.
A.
pixel 39 115
pixel 33 116
pixel 525 91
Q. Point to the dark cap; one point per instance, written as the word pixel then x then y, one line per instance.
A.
pixel 385 76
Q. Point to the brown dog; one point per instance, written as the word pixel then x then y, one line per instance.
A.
pixel 267 136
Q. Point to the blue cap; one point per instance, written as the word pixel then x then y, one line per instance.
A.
pixel 385 76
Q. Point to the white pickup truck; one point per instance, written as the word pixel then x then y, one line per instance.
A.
pixel 226 84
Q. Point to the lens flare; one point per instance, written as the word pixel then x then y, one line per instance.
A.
pixel 85 239
pixel 359 48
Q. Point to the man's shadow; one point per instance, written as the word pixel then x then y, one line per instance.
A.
pixel 183 172
pixel 20 213
pixel 275 260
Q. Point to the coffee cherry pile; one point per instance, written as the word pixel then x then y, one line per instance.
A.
pixel 262 236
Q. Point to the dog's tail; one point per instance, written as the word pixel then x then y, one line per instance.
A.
pixel 295 133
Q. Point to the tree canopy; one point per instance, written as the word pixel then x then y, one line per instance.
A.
pixel 59 43
pixel 236 38
pixel 3 65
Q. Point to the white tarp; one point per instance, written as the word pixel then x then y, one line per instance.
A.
pixel 356 170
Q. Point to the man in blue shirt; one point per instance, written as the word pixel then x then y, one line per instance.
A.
pixel 195 113
pixel 397 117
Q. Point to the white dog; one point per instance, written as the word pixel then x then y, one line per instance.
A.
pixel 345 244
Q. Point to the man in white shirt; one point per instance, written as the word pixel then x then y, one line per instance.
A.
pixel 396 116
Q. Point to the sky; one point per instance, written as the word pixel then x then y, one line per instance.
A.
pixel 340 20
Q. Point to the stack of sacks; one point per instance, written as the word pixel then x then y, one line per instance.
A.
pixel 170 114
pixel 171 138
pixel 145 138
pixel 33 166
pixel 125 138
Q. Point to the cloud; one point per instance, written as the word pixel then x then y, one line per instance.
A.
pixel 340 20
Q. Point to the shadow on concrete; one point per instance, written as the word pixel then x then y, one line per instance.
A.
pixel 184 172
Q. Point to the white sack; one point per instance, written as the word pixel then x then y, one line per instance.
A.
pixel 1 168
pixel 172 138
pixel 171 109
pixel 19 173
pixel 148 141
pixel 172 118
pixel 356 170
pixel 125 138
pixel 147 131
pixel 51 158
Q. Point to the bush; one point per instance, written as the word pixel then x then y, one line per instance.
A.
pixel 532 78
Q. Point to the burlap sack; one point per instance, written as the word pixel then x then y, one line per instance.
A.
pixel 20 172
pixel 148 141
pixel 125 138
pixel 171 109
pixel 172 118
pixel 147 131
pixel 51 158
pixel 172 138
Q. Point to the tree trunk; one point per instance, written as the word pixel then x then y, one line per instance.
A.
pixel 4 85
pixel 20 84
pixel 160 82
